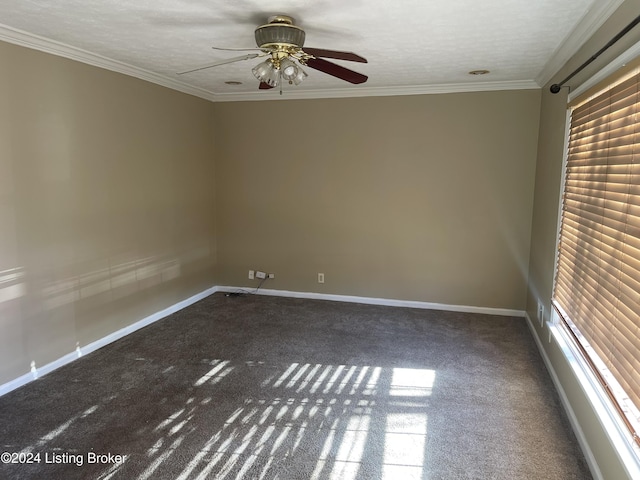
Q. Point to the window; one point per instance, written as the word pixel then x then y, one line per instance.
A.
pixel 597 286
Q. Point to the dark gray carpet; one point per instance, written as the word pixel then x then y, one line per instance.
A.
pixel 265 387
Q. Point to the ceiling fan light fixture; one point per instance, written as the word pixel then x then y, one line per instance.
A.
pixel 297 80
pixel 292 72
pixel 267 72
pixel 289 68
pixel 282 42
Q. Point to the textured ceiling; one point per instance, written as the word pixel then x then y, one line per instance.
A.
pixel 411 46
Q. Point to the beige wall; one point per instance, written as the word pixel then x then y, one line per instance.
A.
pixel 419 197
pixel 106 204
pixel 545 221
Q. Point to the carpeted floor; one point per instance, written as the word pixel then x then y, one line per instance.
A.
pixel 255 387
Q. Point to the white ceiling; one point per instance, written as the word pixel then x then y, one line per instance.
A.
pixel 413 46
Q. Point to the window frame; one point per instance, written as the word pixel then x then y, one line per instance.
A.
pixel 615 428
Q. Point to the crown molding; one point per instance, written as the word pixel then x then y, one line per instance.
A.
pixel 590 22
pixel 377 91
pixel 35 42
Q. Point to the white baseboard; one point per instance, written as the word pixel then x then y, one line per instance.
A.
pixel 377 301
pixel 575 425
pixel 112 337
pixel 146 321
pixel 16 383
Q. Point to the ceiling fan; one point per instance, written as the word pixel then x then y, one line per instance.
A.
pixel 282 42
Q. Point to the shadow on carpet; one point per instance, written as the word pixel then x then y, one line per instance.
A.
pixel 257 387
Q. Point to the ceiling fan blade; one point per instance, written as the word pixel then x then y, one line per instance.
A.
pixel 336 70
pixel 264 86
pixel 350 56
pixel 236 49
pixel 223 62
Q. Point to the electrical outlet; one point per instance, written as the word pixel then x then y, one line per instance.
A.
pixel 540 313
pixel 272 275
pixel 321 278
pixel 260 274
pixel 251 275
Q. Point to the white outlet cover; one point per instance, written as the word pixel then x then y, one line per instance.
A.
pixel 540 313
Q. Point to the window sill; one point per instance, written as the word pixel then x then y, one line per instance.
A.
pixel 616 431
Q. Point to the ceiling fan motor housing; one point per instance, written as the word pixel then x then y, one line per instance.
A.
pixel 279 32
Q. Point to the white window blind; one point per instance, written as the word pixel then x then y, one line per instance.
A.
pixel 597 286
